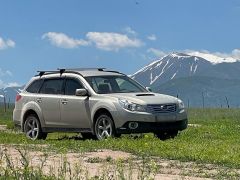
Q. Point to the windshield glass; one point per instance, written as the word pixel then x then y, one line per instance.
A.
pixel 114 84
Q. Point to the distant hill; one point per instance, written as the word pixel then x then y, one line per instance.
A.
pixel 9 93
pixel 194 90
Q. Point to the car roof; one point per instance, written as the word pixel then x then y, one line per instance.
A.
pixel 98 73
pixel 85 72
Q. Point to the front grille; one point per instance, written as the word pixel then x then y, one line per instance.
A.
pixel 161 108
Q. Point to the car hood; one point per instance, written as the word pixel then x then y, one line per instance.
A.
pixel 145 98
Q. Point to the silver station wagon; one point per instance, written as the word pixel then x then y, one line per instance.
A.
pixel 96 102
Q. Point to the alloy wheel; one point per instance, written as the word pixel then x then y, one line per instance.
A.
pixel 32 127
pixel 104 127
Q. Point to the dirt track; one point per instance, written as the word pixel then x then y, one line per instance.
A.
pixel 104 161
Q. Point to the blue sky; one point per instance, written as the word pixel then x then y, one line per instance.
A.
pixel 124 35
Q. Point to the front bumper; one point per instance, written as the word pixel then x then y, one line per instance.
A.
pixel 148 122
pixel 147 127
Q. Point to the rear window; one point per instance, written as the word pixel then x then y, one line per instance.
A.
pixel 52 86
pixel 34 86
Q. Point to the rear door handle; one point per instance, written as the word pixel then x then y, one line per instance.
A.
pixel 64 101
pixel 39 100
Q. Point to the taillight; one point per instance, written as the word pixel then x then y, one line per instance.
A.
pixel 18 97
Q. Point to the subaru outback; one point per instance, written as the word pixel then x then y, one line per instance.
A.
pixel 97 103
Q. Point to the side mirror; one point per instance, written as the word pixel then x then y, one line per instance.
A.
pixel 149 89
pixel 81 92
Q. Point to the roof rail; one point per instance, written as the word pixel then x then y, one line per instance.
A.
pixel 41 73
pixel 73 70
pixel 115 72
pixel 83 69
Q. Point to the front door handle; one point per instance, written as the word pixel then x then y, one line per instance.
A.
pixel 39 100
pixel 64 101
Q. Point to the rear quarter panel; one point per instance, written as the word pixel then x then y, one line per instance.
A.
pixel 26 103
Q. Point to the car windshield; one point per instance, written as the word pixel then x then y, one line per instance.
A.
pixel 114 84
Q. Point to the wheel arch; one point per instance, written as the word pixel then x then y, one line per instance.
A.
pixel 98 113
pixel 101 111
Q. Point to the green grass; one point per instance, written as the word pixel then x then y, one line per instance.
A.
pixel 215 141
pixel 6 117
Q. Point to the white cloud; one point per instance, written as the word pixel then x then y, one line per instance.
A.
pixel 63 41
pixel 1 84
pixel 112 41
pixel 214 57
pixel 236 54
pixel 5 73
pixel 157 52
pixel 10 84
pixel 129 30
pixel 5 44
pixel 152 37
pixel 107 41
pixel 9 73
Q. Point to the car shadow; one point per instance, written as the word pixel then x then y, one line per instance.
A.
pixel 76 137
pixel 79 137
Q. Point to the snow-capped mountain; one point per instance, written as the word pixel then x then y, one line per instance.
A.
pixel 177 65
pixel 194 77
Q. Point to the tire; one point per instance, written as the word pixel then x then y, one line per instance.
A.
pixel 104 127
pixel 32 128
pixel 166 135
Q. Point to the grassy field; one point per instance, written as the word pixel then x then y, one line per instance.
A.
pixel 213 138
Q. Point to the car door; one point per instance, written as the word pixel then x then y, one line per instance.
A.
pixel 75 111
pixel 49 101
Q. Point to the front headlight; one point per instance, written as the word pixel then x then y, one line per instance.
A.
pixel 180 104
pixel 131 106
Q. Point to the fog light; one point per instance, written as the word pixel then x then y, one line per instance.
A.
pixel 133 125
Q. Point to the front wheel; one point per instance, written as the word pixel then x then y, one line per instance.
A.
pixel 32 128
pixel 166 135
pixel 104 127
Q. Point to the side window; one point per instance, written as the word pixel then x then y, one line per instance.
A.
pixel 34 86
pixel 102 85
pixel 71 86
pixel 52 86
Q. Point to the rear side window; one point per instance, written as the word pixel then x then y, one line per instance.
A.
pixel 71 86
pixel 34 86
pixel 52 86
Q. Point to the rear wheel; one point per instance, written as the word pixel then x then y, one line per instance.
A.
pixel 32 128
pixel 104 127
pixel 166 135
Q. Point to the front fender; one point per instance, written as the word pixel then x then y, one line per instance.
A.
pixel 109 106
